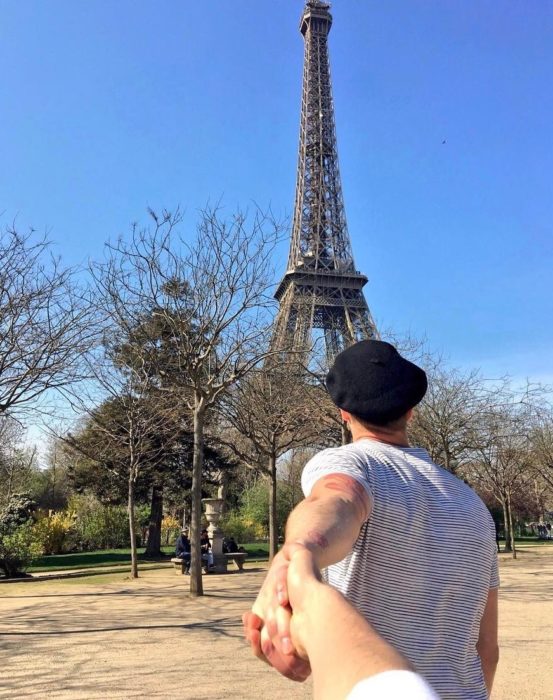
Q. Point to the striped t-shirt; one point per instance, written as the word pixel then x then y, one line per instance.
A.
pixel 423 563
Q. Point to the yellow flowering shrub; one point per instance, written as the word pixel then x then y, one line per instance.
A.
pixel 170 528
pixel 52 530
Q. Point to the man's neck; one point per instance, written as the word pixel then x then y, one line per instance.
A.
pixel 399 439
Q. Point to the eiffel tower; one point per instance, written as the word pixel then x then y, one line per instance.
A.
pixel 321 288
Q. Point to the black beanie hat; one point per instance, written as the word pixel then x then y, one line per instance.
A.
pixel 372 381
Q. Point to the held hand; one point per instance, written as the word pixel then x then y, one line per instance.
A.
pixel 267 626
pixel 303 579
pixel 307 597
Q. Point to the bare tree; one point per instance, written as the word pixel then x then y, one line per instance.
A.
pixel 541 438
pixel 55 488
pixel 502 468
pixel 124 421
pixel 17 462
pixel 270 411
pixel 203 309
pixel 445 422
pixel 503 463
pixel 291 468
pixel 43 322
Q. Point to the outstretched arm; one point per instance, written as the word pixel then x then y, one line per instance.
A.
pixel 329 520
pixel 327 523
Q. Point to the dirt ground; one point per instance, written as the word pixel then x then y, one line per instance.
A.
pixel 111 637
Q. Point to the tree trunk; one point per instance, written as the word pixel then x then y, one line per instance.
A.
pixel 448 461
pixel 153 548
pixel 130 509
pixel 196 585
pixel 10 479
pixel 54 481
pixel 506 524
pixel 184 520
pixel 511 528
pixel 273 525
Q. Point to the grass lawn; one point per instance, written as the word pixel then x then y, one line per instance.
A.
pixel 257 551
pixel 86 560
pixel 113 557
pixel 531 541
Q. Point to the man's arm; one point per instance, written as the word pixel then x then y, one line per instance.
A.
pixel 487 646
pixel 327 523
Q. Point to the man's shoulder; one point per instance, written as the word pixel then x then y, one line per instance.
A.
pixel 342 454
pixel 475 502
pixel 346 459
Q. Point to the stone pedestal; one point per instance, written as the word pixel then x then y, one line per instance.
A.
pixel 213 513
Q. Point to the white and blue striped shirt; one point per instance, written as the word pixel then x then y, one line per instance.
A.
pixel 423 563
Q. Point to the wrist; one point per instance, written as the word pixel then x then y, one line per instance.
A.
pixel 314 542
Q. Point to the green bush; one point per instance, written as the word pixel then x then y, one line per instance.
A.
pixel 19 544
pixel 18 511
pixel 241 528
pixel 254 507
pixel 98 526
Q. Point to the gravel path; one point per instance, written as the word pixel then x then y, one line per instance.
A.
pixel 111 637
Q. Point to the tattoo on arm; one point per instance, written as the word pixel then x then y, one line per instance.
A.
pixel 317 538
pixel 350 488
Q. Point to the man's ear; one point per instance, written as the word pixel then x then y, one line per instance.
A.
pixel 346 417
pixel 409 414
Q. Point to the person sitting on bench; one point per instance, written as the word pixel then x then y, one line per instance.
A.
pixel 182 548
pixel 230 546
pixel 207 554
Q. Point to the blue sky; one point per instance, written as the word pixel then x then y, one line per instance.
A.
pixel 109 107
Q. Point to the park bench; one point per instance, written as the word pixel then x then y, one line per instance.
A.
pixel 181 564
pixel 237 557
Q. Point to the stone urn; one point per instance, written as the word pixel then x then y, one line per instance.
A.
pixel 213 513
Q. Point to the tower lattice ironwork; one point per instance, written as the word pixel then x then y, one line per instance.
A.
pixel 321 288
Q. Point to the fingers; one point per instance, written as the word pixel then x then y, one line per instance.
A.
pixel 260 637
pixel 297 632
pixel 289 665
pixel 254 639
pixel 280 572
pixel 267 625
pixel 281 585
pixel 264 638
pixel 253 625
pixel 282 618
pixel 276 630
pixel 302 575
pixel 251 620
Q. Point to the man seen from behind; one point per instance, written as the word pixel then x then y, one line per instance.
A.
pixel 381 518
